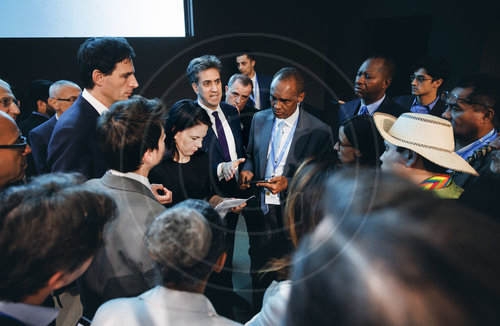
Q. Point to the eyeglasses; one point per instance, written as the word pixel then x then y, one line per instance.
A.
pixel 7 101
pixel 451 99
pixel 344 145
pixel 420 78
pixel 20 143
pixel 72 99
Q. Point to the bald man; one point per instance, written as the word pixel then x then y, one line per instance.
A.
pixel 8 103
pixel 13 151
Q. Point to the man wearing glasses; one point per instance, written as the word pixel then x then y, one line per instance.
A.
pixel 13 151
pixel 471 108
pixel 8 103
pixel 427 79
pixel 62 94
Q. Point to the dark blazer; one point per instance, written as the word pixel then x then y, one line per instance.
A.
pixel 264 82
pixel 312 138
pixel 73 144
pixel 212 147
pixel 39 142
pixel 246 116
pixel 387 106
pixel 33 121
pixel 122 267
pixel 407 100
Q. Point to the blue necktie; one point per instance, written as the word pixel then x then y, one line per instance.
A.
pixel 364 110
pixel 269 166
pixel 221 137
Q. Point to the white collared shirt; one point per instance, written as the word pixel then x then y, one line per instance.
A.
pixel 132 175
pixel 287 128
pixel 29 314
pixel 372 107
pixel 256 93
pixel 227 129
pixel 98 106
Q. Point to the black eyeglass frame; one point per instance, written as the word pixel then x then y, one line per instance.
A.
pixel 17 144
pixel 446 96
pixel 420 78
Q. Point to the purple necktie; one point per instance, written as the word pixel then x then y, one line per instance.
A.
pixel 222 137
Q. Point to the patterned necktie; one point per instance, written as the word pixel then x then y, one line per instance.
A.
pixel 221 136
pixel 364 110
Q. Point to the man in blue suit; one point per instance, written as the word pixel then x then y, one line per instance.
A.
pixel 224 146
pixel 62 94
pixel 107 74
pixel 261 82
pixel 280 139
pixel 372 80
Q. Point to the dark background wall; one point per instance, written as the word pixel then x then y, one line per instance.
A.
pixel 326 40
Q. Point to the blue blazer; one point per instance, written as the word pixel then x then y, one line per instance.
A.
pixel 407 100
pixel 264 82
pixel 73 144
pixel 212 147
pixel 39 139
pixel 388 106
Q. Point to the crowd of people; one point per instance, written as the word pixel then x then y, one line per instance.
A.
pixel 388 218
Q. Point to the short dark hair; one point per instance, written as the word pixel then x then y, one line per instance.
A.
pixel 485 90
pixel 243 79
pixel 128 129
pixel 102 53
pixel 389 65
pixel 183 115
pixel 428 165
pixel 289 73
pixel 250 54
pixel 52 224
pixel 187 277
pixel 436 67
pixel 38 90
pixel 201 64
pixel 362 134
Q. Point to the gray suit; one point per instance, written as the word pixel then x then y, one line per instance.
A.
pixel 122 268
pixel 267 240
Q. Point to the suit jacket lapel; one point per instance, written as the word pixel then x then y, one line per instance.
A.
pixel 294 152
pixel 265 137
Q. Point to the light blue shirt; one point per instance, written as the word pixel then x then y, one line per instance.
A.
pixel 416 107
pixel 372 107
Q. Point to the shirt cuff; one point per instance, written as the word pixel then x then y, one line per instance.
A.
pixel 219 171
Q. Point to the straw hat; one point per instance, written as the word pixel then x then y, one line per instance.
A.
pixel 425 134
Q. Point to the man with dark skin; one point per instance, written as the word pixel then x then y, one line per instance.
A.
pixel 280 139
pixel 13 152
pixel 372 81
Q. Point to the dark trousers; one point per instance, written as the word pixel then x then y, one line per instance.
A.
pixel 268 239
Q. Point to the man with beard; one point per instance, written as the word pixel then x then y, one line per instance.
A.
pixel 372 81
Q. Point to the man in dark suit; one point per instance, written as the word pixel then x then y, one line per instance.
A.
pixel 261 82
pixel 238 90
pixel 372 80
pixel 281 138
pixel 224 146
pixel 107 73
pixel 123 267
pixel 63 94
pixel 428 77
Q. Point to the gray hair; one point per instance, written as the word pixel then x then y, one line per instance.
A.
pixel 243 79
pixel 179 237
pixel 4 84
pixel 55 88
pixel 201 64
